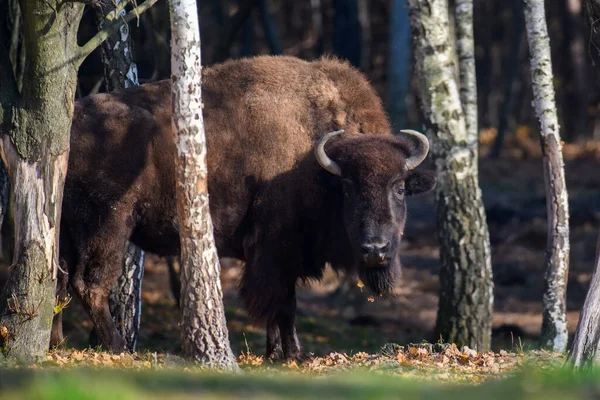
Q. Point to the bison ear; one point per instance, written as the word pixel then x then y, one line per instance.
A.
pixel 418 182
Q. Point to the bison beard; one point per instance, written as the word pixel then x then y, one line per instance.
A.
pixel 380 280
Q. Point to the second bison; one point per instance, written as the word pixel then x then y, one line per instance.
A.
pixel 283 197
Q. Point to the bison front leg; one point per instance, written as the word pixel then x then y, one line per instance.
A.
pixel 282 340
pixel 98 267
pixel 274 346
pixel 286 320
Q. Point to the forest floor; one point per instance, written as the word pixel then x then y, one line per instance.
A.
pixel 345 331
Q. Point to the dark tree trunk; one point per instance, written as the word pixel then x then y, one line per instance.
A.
pixel 576 74
pixel 5 252
pixel 554 318
pixel 399 63
pixel 271 34
pixel 232 27
pixel 317 26
pixel 591 11
pixel 347 38
pixel 466 287
pixel 120 71
pixel 512 67
pixel 585 350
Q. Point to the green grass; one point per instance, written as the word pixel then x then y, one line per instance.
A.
pixel 114 384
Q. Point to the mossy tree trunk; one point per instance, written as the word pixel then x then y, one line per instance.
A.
pixel 466 286
pixel 203 326
pixel 120 72
pixel 554 317
pixel 35 147
pixel 35 122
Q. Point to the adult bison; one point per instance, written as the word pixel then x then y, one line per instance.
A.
pixel 278 200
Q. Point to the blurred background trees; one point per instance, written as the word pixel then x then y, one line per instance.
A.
pixel 374 36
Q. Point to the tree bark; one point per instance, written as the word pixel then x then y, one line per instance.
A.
pixel 466 287
pixel 126 296
pixel 554 318
pixel 591 11
pixel 585 350
pixel 35 122
pixel 465 48
pixel 203 326
pixel 35 146
pixel 120 71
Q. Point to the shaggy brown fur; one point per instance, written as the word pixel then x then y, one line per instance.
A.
pixel 272 204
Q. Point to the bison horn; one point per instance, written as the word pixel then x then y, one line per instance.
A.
pixel 415 159
pixel 322 157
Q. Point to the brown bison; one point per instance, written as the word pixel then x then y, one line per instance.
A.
pixel 284 198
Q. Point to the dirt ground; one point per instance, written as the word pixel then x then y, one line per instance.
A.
pixel 514 197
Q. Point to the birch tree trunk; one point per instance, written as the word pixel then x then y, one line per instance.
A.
pixel 203 326
pixel 466 287
pixel 554 323
pixel 465 48
pixel 585 350
pixel 120 71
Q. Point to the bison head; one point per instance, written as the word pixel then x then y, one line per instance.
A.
pixel 375 174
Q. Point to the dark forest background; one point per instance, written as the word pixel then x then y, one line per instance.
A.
pixel 375 37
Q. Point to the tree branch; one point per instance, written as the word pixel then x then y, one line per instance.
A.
pixel 110 28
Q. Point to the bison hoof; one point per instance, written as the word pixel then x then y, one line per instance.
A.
pixel 276 356
pixel 118 347
pixel 280 357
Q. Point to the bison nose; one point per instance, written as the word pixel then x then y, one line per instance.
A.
pixel 375 252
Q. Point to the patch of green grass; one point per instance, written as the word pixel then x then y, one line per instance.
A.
pixel 104 384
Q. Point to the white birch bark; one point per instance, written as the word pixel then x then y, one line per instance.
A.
pixel 465 48
pixel 203 326
pixel 466 286
pixel 554 323
pixel 585 350
pixel 120 71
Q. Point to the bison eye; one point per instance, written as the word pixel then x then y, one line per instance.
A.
pixel 400 192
